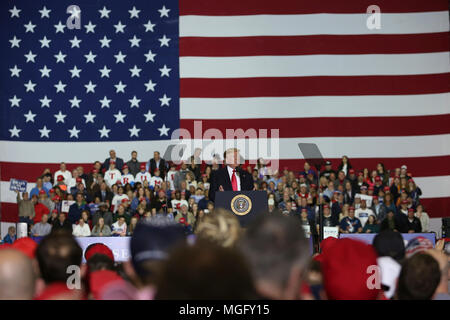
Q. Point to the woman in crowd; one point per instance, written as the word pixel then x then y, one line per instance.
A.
pixel 100 229
pixel 81 229
pixel 86 216
pixel 390 222
pixel 119 228
pixel 381 171
pixel 423 217
pixel 371 225
pixel 132 226
pixel 345 165
pixel 414 192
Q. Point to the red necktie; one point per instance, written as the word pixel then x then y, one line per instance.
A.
pixel 234 181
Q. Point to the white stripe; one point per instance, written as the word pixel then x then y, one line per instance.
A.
pixel 314 65
pixel 432 187
pixel 312 107
pixel 285 148
pixel 311 24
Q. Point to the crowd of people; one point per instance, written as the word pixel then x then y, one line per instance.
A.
pixel 112 196
pixel 268 260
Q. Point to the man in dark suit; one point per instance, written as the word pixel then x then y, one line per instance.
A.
pixel 230 177
pixel 104 194
pixel 112 157
pixel 157 162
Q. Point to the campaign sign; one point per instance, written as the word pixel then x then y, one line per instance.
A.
pixel 19 185
pixel 330 232
pixel 365 197
pixel 65 205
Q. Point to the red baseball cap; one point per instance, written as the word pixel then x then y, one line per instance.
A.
pixel 410 210
pixel 52 191
pixel 60 177
pixel 351 171
pixel 42 191
pixel 95 171
pixel 377 178
pixel 404 202
pixel 125 166
pixel 360 173
pixel 79 180
pixel 124 200
pixel 351 208
pixel 371 188
pixel 344 268
pixel 313 186
pixel 56 198
pixel 98 248
pixel 143 166
pixel 26 245
pixel 326 206
pixel 387 188
pixel 182 220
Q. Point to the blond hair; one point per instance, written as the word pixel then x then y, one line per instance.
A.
pixel 221 227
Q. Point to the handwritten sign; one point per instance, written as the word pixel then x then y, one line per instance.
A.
pixel 330 232
pixel 65 205
pixel 19 185
pixel 307 230
pixel 365 197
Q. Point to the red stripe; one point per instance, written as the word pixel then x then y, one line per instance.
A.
pixel 435 207
pixel 418 166
pixel 334 127
pixel 314 86
pixel 247 7
pixel 315 44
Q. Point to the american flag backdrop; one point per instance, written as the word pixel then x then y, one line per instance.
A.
pixel 138 70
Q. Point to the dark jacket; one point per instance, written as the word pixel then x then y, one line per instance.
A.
pixel 119 164
pixel 66 226
pixel 222 178
pixel 406 225
pixel 74 214
pixel 162 167
pixel 134 167
pixel 385 225
pixel 108 196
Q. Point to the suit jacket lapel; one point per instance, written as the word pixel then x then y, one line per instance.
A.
pixel 227 179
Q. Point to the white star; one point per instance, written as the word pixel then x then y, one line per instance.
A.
pixel 60 117
pixel 134 102
pixel 120 57
pixel 105 42
pixel 44 12
pixel 165 100
pixel 29 27
pixel 75 72
pixel 90 87
pixel 44 132
pixel 89 117
pixel 119 27
pixel 75 102
pixel 74 132
pixel 104 132
pixel 105 102
pixel 104 12
pixel 45 72
pixel 75 13
pixel 30 86
pixel 134 42
pixel 134 131
pixel 150 56
pixel 165 71
pixel 75 42
pixel 149 26
pixel 135 71
pixel 15 101
pixel 60 86
pixel 105 72
pixel 45 42
pixel 134 13
pixel 90 27
pixel 29 116
pixel 15 71
pixel 59 27
pixel 60 57
pixel 90 57
pixel 15 42
pixel 149 116
pixel 30 56
pixel 15 132
pixel 164 41
pixel 120 87
pixel 150 86
pixel 163 131
pixel 164 12
pixel 45 102
pixel 119 117
pixel 15 12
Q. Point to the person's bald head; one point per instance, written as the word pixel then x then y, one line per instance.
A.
pixel 17 277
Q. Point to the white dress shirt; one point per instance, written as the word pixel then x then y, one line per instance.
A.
pixel 238 179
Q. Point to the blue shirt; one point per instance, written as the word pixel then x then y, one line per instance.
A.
pixel 354 224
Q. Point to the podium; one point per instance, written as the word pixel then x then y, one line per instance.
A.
pixel 245 205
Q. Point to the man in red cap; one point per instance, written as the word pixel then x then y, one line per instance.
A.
pixel 348 267
pixel 378 185
pixel 39 209
pixel 127 177
pixel 66 175
pixel 143 175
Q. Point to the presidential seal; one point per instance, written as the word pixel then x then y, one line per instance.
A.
pixel 241 205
